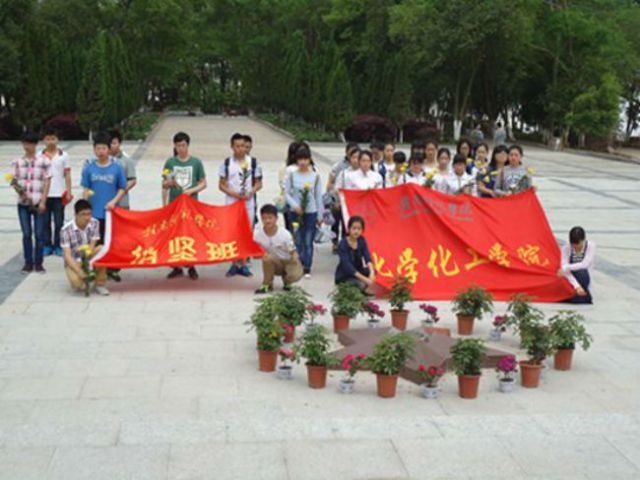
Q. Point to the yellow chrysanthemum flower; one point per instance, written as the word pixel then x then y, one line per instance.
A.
pixel 295 225
pixel 469 161
pixel 307 185
pixel 494 173
pixel 91 193
pixel 403 168
pixel 244 165
pixel 8 177
pixel 165 172
pixel 531 171
pixel 486 179
pixel 483 171
pixel 430 174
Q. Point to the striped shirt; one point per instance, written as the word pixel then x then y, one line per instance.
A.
pixel 31 173
pixel 71 236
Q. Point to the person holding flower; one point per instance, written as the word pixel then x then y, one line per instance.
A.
pixel 356 265
pixel 486 177
pixel 514 177
pixel 393 178
pixel 240 178
pixel 365 178
pixel 459 181
pixel 444 170
pixel 431 157
pixel 31 179
pixel 182 173
pixel 415 173
pixel 80 237
pixel 303 193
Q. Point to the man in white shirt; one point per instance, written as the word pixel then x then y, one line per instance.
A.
pixel 240 179
pixel 281 257
pixel 59 192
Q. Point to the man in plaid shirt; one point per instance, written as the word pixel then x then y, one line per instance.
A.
pixel 82 230
pixel 32 174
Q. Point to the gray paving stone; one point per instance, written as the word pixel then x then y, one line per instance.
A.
pixel 24 463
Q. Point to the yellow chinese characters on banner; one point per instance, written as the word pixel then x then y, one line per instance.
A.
pixel 183 215
pixel 530 255
pixel 498 254
pixel 181 249
pixel 222 251
pixel 441 263
pixel 144 256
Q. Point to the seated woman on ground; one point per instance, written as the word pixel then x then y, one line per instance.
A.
pixel 355 264
pixel 578 258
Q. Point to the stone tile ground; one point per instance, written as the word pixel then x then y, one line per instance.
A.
pixel 159 380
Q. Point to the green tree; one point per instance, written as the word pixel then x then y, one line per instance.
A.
pixel 93 96
pixel 339 99
pixel 596 111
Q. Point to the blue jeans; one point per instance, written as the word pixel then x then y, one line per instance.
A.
pixel 55 212
pixel 584 279
pixel 31 222
pixel 304 237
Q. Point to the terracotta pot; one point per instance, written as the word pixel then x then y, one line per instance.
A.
pixel 465 324
pixel 530 374
pixel 399 319
pixel 340 322
pixel 290 335
pixel 438 331
pixel 468 386
pixel 562 359
pixel 267 360
pixel 387 385
pixel 317 376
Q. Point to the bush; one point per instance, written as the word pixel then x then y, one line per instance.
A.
pixel 67 126
pixel 268 330
pixel 348 300
pixel 473 302
pixel 297 127
pixel 468 356
pixel 314 346
pixel 139 125
pixel 391 353
pixel 400 293
pixel 567 331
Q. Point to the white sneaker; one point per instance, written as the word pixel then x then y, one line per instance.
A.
pixel 307 276
pixel 102 290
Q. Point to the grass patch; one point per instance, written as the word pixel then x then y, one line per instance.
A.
pixel 297 127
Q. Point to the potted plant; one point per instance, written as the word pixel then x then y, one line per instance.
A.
pixel 348 301
pixel 470 304
pixel 373 310
pixel 314 347
pixel 313 310
pixel 536 339
pixel 507 368
pixel 431 376
pixel 269 332
pixel 399 296
pixel 285 369
pixel 499 327
pixel 389 356
pixel 521 314
pixel 351 364
pixel 431 320
pixel 291 309
pixel 468 354
pixel 566 332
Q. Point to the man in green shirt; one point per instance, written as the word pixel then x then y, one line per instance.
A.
pixel 182 173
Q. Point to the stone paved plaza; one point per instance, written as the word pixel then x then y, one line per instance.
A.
pixel 160 380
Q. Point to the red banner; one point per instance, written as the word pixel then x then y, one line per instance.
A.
pixel 185 232
pixel 444 243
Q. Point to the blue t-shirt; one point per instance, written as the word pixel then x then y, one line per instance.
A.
pixel 105 183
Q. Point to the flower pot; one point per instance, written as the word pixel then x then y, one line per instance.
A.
pixel 562 359
pixel 399 319
pixel 386 385
pixel 468 386
pixel 373 323
pixel 465 324
pixel 429 392
pixel 506 386
pixel 530 374
pixel 284 372
pixel 317 376
pixel 340 322
pixel 289 335
pixel 495 335
pixel 267 360
pixel 346 385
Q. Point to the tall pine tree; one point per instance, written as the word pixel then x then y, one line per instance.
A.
pixel 339 109
pixel 93 97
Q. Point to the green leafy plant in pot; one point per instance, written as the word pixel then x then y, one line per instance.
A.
pixel 399 296
pixel 567 331
pixel 348 300
pixel 313 345
pixel 269 333
pixel 389 356
pixel 521 314
pixel 291 309
pixel 470 304
pixel 536 339
pixel 468 355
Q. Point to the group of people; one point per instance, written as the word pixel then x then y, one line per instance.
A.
pixel 43 182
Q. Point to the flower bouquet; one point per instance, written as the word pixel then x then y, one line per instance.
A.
pixel 373 310
pixel 304 201
pixel 507 368
pixel 285 369
pixel 20 190
pixel 431 376
pixel 499 327
pixel 351 364
pixel 244 176
pixel 90 276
